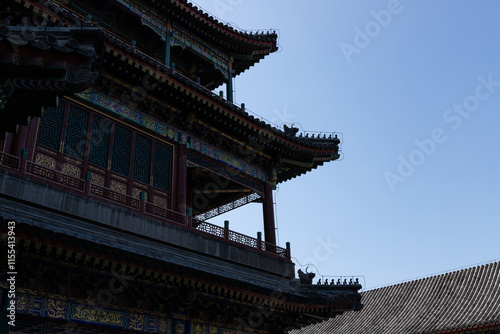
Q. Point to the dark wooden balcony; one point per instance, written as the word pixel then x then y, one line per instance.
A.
pixel 13 167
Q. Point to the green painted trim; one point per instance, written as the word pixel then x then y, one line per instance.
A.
pixel 54 308
pixel 174 134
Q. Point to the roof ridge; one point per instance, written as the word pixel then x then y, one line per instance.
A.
pixel 449 302
pixel 445 272
pixel 221 24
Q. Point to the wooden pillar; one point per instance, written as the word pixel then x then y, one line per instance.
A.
pixel 19 140
pixel 88 181
pixel 268 210
pixel 181 179
pixel 25 137
pixel 168 38
pixel 7 144
pixel 189 193
pixel 32 137
pixel 226 230
pixel 229 85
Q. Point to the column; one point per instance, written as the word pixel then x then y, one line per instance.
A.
pixel 25 137
pixel 181 179
pixel 19 140
pixel 229 84
pixel 32 137
pixel 7 142
pixel 189 193
pixel 268 209
pixel 167 44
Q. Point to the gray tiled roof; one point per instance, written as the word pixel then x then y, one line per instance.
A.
pixel 468 298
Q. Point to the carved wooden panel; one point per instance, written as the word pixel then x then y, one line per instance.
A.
pixel 71 170
pixel 45 161
pixel 118 187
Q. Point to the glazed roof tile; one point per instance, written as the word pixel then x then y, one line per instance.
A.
pixel 451 302
pixel 310 142
pixel 315 143
pixel 196 14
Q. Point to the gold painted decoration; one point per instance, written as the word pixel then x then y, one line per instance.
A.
pixel 163 326
pixel 179 327
pixel 198 328
pixel 96 315
pixel 71 170
pixel 148 122
pixel 118 187
pixel 160 201
pixel 136 322
pixel 28 302
pixel 22 302
pixel 95 190
pixel 97 179
pixel 45 161
pixel 116 176
pixel 174 134
pixel 75 161
pixel 136 193
pixel 56 309
pixel 43 149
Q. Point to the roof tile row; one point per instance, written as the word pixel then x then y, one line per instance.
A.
pixel 455 301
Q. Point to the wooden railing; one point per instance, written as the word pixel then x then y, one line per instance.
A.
pixel 164 213
pixel 140 205
pixel 48 174
pixel 211 229
pixel 114 196
pixel 9 161
pixel 243 239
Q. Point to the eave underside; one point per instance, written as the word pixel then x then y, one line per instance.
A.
pixel 198 111
pixel 74 271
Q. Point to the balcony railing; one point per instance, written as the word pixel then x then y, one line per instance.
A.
pixel 163 213
pixel 9 161
pixel 114 196
pixel 211 229
pixel 140 205
pixel 41 172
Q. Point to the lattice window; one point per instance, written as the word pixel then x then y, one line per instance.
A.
pixel 121 150
pixel 74 144
pixel 99 142
pixel 51 126
pixel 161 177
pixel 142 158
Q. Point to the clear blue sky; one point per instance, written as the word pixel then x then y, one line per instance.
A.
pixel 414 87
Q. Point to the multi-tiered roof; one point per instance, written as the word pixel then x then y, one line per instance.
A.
pixel 147 67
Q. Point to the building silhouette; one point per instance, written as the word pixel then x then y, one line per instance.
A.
pixel 115 152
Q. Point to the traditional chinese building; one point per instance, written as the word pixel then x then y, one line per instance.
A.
pixel 114 154
pixel 465 301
